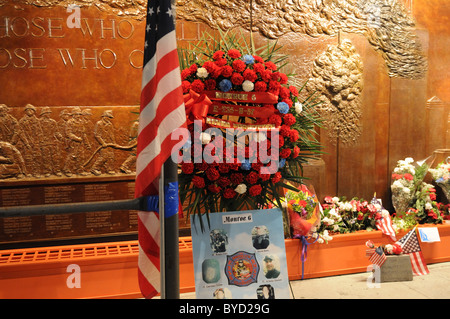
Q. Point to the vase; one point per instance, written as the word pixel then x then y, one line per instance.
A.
pixel 401 201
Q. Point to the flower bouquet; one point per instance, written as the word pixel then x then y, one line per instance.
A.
pixel 441 175
pixel 303 210
pixel 343 216
pixel 231 87
pixel 406 179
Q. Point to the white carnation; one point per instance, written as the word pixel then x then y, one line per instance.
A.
pixel 248 86
pixel 298 107
pixel 205 137
pixel 241 189
pixel 202 73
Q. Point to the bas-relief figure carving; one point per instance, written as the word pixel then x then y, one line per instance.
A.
pixel 337 74
pixel 38 146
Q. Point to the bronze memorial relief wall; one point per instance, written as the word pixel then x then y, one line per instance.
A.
pixel 381 67
pixel 68 116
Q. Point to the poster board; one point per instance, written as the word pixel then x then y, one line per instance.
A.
pixel 240 255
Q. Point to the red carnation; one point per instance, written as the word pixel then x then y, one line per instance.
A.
pixel 276 177
pixel 260 86
pixel 238 65
pixel 234 54
pixel 275 119
pixel 187 168
pixel 237 79
pixel 274 87
pixel 281 141
pixel 408 177
pixel 259 67
pixel 214 188
pixel 220 62
pixel 295 151
pixel 185 74
pixel 266 75
pixel 293 90
pixel 250 75
pixel 285 130
pixel 193 68
pixel 270 65
pixel 283 78
pixel 237 178
pixel 227 71
pixel 284 92
pixel 229 193
pixel 224 168
pixel 186 86
pixel 212 174
pixel 289 119
pixel 258 59
pixel 275 76
pixel 252 178
pixel 293 135
pixel 198 182
pixel 218 55
pixel 255 190
pixel 198 86
pixel 285 153
pixel 210 84
pixel 224 182
pixel 209 66
pixel 201 166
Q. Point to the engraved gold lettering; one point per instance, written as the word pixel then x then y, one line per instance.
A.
pixel 19 27
pixel 16 53
pixel 69 56
pixel 103 28
pixel 5 26
pixel 52 27
pixel 34 21
pixel 8 59
pixel 100 57
pixel 87 27
pixel 122 34
pixel 36 56
pixel 84 58
pixel 131 58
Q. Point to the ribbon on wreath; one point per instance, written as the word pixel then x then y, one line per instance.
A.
pixel 196 106
pixel 249 97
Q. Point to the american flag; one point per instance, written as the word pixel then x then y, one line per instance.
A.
pixel 384 223
pixel 410 245
pixel 161 112
pixel 378 257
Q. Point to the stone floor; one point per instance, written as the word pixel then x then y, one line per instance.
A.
pixel 435 285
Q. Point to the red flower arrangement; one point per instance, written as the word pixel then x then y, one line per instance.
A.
pixel 230 183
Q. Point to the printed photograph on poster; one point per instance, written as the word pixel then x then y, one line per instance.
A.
pixel 240 255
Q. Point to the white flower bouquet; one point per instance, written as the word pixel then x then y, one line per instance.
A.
pixel 403 187
pixel 441 175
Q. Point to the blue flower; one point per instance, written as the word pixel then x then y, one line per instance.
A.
pixel 281 163
pixel 283 107
pixel 248 59
pixel 225 85
pixel 246 166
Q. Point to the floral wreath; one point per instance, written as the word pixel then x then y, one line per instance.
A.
pixel 251 89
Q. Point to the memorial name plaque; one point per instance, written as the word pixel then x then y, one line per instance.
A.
pixel 67 226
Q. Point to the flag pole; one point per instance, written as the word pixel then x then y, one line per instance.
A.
pixel 169 245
